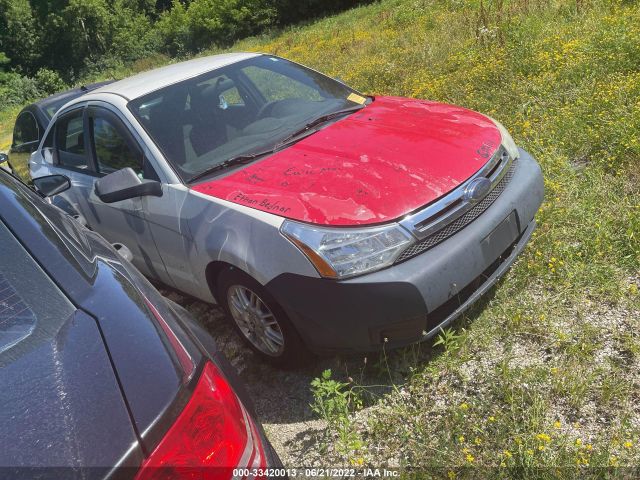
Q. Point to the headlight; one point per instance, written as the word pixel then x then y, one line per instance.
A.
pixel 507 141
pixel 345 252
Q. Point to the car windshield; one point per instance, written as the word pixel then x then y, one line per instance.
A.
pixel 239 110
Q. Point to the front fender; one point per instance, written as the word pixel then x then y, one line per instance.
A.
pixel 240 236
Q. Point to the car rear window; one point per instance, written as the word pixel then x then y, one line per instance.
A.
pixel 17 320
pixel 32 308
pixel 50 107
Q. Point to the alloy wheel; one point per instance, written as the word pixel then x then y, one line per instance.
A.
pixel 255 320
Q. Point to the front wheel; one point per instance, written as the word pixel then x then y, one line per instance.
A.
pixel 259 320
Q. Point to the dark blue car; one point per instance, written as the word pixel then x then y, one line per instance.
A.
pixel 100 375
pixel 32 121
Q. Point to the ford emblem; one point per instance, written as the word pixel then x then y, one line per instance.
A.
pixel 477 189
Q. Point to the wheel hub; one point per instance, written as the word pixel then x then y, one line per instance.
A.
pixel 255 320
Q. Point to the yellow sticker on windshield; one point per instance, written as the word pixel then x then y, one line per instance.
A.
pixel 354 97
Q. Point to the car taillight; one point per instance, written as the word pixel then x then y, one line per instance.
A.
pixel 212 437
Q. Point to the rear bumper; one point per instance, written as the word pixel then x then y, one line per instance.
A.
pixel 411 301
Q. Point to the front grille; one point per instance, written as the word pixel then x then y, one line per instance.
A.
pixel 460 222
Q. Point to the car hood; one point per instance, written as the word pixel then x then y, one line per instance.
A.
pixel 390 158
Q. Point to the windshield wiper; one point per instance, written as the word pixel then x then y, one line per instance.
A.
pixel 239 160
pixel 315 122
pixel 246 158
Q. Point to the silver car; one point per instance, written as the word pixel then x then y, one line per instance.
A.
pixel 320 218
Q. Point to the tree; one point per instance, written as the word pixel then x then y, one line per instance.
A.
pixel 18 35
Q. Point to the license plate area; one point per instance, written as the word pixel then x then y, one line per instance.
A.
pixel 494 244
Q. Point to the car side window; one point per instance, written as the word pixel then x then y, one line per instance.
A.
pixel 69 135
pixel 25 130
pixel 114 150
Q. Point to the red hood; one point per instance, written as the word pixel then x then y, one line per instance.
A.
pixel 393 157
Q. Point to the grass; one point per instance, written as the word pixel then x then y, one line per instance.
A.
pixel 7 118
pixel 541 379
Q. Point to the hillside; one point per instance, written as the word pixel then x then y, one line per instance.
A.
pixel 545 372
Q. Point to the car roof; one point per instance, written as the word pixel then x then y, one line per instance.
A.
pixel 147 82
pixel 61 98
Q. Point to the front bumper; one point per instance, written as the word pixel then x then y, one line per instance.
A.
pixel 411 301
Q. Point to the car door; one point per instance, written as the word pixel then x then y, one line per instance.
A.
pixel 113 147
pixel 86 144
pixel 26 137
pixel 64 152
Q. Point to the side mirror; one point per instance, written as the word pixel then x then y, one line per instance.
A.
pixel 124 184
pixel 51 185
pixel 4 162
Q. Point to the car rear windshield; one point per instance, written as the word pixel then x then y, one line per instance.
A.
pixel 240 109
pixel 32 308
pixel 51 106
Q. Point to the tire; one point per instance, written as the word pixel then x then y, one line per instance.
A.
pixel 273 337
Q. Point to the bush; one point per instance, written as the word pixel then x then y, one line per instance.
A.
pixel 75 37
pixel 48 82
pixel 173 29
pixel 17 90
pixel 212 22
pixel 133 35
pixel 290 11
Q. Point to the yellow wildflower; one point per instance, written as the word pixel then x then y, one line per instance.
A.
pixel 543 437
